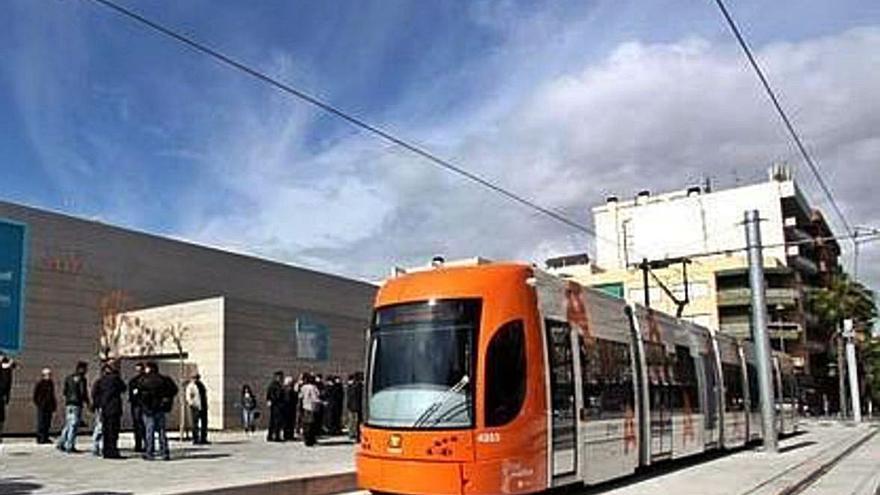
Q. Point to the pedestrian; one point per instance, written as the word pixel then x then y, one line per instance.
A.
pixel 290 398
pixel 248 409
pixel 6 367
pixel 311 404
pixel 354 393
pixel 107 397
pixel 157 394
pixel 137 410
pixel 197 400
pixel 97 423
pixel 320 411
pixel 336 398
pixel 275 403
pixel 46 404
pixel 76 396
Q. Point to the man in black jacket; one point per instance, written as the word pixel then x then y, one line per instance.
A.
pixel 137 410
pixel 76 396
pixel 275 401
pixel 157 394
pixel 6 367
pixel 108 399
pixel 354 393
pixel 44 400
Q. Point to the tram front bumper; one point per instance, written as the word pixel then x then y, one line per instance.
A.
pixel 398 476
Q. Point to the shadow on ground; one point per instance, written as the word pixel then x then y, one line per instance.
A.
pixel 18 486
pixel 795 446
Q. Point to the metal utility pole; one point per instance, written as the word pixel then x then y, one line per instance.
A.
pixel 759 329
pixel 849 337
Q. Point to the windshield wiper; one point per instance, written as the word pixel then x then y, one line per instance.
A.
pixel 437 404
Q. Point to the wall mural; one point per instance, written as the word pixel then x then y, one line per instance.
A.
pixel 312 340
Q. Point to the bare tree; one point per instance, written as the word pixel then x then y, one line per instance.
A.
pixel 111 307
pixel 176 333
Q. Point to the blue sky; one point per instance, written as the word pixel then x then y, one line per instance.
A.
pixel 561 101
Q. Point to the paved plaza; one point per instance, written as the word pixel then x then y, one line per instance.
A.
pixel 238 464
pixel 232 461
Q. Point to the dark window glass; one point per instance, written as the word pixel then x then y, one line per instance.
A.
pixel 754 392
pixel 606 378
pixel 684 396
pixel 733 387
pixel 505 374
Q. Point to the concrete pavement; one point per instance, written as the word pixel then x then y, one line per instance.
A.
pixel 828 459
pixel 857 474
pixel 750 472
pixel 233 463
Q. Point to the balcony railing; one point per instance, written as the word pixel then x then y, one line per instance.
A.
pixel 777 330
pixel 743 297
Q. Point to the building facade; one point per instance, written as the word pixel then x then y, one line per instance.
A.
pixel 704 229
pixel 92 290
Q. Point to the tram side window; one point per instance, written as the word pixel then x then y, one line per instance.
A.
pixel 606 378
pixel 685 397
pixel 505 374
pixel 733 388
pixel 754 393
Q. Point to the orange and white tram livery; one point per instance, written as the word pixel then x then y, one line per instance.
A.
pixel 501 378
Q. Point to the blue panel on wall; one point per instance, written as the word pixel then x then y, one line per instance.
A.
pixel 312 340
pixel 13 261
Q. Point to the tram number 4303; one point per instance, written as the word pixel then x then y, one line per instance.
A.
pixel 488 437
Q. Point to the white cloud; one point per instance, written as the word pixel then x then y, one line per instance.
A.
pixel 654 116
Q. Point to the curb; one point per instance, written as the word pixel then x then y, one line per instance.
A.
pixel 329 484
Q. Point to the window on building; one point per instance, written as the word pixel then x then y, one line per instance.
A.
pixel 613 289
pixel 505 374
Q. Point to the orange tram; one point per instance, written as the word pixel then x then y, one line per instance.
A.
pixel 502 378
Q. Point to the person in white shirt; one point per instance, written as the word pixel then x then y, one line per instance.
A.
pixel 311 405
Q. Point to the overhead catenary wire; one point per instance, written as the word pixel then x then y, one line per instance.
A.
pixel 346 116
pixel 771 94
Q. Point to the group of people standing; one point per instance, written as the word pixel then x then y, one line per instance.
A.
pixel 150 396
pixel 307 407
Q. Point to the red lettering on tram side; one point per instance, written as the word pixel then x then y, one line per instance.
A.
pixel 576 312
pixel 688 432
pixel 653 327
pixel 629 430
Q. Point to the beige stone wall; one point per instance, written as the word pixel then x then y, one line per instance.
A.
pixel 201 340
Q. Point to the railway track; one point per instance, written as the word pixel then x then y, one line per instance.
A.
pixel 861 486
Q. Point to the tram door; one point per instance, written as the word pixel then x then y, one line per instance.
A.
pixel 660 400
pixel 562 396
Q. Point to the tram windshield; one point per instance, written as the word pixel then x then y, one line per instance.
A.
pixel 421 365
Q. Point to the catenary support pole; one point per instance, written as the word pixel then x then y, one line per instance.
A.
pixel 852 372
pixel 759 329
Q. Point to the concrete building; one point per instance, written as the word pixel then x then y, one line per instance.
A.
pixel 91 289
pixel 706 228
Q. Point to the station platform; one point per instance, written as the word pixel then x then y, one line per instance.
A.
pixel 232 464
pixel 825 458
pixel 828 458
